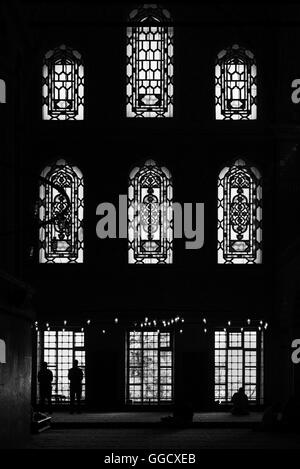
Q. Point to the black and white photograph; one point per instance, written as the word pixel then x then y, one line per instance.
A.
pixel 149 231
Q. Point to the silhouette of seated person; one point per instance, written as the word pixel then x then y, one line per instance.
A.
pixel 75 376
pixel 240 403
pixel 45 378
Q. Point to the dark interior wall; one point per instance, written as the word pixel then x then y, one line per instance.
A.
pixel 194 363
pixel 106 146
pixel 105 373
pixel 15 380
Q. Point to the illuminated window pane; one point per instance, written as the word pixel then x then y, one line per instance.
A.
pixel 235 84
pixel 61 348
pixel 61 214
pixel 239 215
pixel 63 85
pixel 2 351
pixel 150 63
pixel 237 365
pixel 164 339
pixel 150 215
pixel 2 92
pixel 235 339
pixel 250 339
pixel 150 368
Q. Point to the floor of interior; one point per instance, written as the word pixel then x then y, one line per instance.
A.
pixel 152 439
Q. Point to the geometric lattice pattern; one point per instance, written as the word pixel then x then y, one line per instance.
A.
pixel 63 85
pixel 150 368
pixel 235 84
pixel 150 215
pixel 150 54
pixel 61 214
pixel 237 359
pixel 239 215
pixel 60 349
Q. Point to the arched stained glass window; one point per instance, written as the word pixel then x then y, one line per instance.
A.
pixel 239 215
pixel 235 84
pixel 150 63
pixel 63 85
pixel 150 215
pixel 61 214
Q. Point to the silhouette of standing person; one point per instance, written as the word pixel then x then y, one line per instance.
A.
pixel 75 376
pixel 45 378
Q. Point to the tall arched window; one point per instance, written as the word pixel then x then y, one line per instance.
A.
pixel 61 214
pixel 150 215
pixel 2 92
pixel 239 215
pixel 235 84
pixel 63 85
pixel 150 63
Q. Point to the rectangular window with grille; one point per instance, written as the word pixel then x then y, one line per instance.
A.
pixel 238 363
pixel 60 349
pixel 150 367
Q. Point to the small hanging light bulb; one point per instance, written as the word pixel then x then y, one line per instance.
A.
pixel 248 321
pixel 103 331
pixel 266 325
pixel 82 329
pixel 116 320
pixel 204 320
pixel 229 323
pixel 180 331
pixel 88 322
pixel 65 322
pixel 205 330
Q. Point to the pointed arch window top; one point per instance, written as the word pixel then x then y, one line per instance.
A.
pixel 239 214
pixel 63 85
pixel 150 13
pixel 236 84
